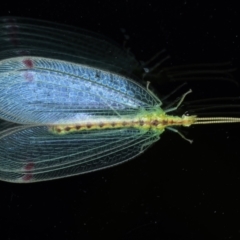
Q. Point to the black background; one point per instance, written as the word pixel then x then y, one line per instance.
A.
pixel 173 191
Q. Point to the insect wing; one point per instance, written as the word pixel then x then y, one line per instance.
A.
pixel 21 36
pixel 30 154
pixel 42 91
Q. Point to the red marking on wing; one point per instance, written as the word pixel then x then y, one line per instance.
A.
pixel 29 166
pixel 28 63
pixel 27 177
pixel 28 76
pixel 12 28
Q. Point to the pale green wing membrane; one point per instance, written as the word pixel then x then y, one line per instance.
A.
pixel 30 154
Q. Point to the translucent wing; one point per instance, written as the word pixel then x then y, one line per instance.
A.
pixel 29 154
pixel 21 36
pixel 42 91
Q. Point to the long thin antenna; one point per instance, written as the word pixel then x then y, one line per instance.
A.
pixel 214 120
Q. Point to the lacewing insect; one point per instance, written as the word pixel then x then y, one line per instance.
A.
pixel 70 105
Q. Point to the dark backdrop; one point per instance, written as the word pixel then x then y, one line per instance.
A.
pixel 173 191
